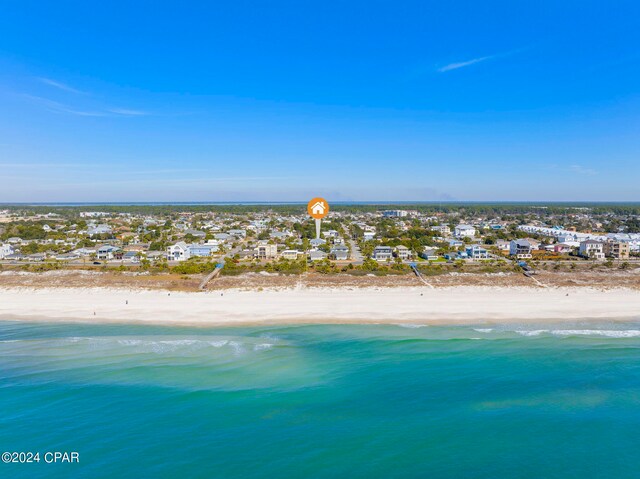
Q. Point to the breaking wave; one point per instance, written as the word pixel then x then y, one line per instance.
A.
pixel 608 333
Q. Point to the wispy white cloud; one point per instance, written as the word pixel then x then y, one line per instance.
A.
pixel 455 66
pixel 60 85
pixel 475 61
pixel 582 170
pixel 574 168
pixel 57 107
pixel 127 112
pixel 26 165
pixel 96 110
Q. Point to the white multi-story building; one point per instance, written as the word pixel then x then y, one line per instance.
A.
pixel 395 213
pixel 403 252
pixel 477 252
pixel 369 235
pixel 592 249
pixel 465 231
pixel 178 252
pixel 5 250
pixel 382 253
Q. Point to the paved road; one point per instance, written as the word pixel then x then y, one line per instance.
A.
pixel 356 255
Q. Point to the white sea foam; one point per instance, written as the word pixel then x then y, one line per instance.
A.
pixel 160 345
pixel 238 348
pixel 609 333
pixel 483 330
pixel 613 333
pixel 535 332
pixel 412 325
pixel 262 346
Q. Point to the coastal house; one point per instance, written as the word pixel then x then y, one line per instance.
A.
pixel 429 254
pixel 131 257
pixel 82 252
pixel 178 252
pixel 477 252
pixel 315 242
pixel 195 233
pixel 444 230
pixel 369 235
pixel 36 257
pixel 258 225
pixel 156 256
pixel 535 244
pixel 464 231
pixel 280 235
pixel 108 252
pixel 67 257
pixel 202 250
pixel 5 250
pixel 570 239
pixel 520 248
pixel 382 253
pixel 291 254
pixel 222 237
pixel 240 234
pixel 456 255
pixel 246 254
pixel 99 230
pixel 562 248
pixel 592 249
pixel 317 255
pixel 340 253
pixel 403 252
pixel 503 245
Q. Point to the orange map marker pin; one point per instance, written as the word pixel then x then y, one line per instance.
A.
pixel 318 208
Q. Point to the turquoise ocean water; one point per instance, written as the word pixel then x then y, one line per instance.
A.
pixel 326 401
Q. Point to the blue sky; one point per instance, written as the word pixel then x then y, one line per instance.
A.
pixel 281 101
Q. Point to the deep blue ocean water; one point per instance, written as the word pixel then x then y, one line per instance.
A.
pixel 326 401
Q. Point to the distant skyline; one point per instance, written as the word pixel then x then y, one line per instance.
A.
pixel 353 101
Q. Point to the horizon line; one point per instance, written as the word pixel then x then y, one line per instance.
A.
pixel 302 202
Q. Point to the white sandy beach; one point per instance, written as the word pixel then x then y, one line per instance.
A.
pixel 420 305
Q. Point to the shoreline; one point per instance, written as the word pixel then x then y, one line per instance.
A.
pixel 419 305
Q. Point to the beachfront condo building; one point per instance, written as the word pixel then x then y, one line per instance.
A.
pixel 617 249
